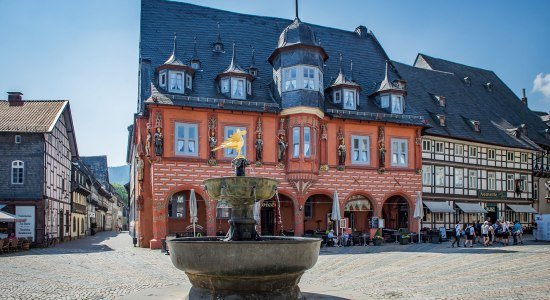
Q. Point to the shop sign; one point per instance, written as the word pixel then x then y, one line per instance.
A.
pixel 25 229
pixel 268 204
pixel 491 194
pixel 490 208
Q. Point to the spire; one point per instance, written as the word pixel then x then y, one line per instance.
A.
pixel 296 8
pixel 351 70
pixel 233 58
pixel 341 79
pixel 233 66
pixel 173 59
pixel 219 39
pixel 386 84
pixel 340 63
pixel 524 98
pixel 175 44
pixel 253 60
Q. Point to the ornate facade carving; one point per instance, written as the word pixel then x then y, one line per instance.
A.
pixel 259 143
pixel 212 140
pixel 341 149
pixel 282 144
pixel 381 149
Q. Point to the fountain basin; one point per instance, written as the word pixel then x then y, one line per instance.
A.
pixel 240 189
pixel 270 268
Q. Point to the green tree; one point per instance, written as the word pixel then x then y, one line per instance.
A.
pixel 121 190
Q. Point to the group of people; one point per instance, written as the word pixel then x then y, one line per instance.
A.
pixel 488 233
pixel 332 239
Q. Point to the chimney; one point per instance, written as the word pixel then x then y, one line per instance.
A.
pixel 524 98
pixel 15 98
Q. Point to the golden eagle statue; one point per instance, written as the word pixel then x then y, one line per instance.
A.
pixel 235 141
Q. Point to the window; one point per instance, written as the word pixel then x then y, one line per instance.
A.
pixel 535 191
pixel 385 101
pixel 399 156
pixel 510 182
pixel 296 142
pixel 308 209
pixel 225 85
pixel 228 131
pixel 176 206
pixel 349 99
pixel 187 139
pixel 440 100
pixel 440 176
pixel 523 183
pixel 162 80
pixel 237 88
pixel 523 157
pixel 17 170
pixel 427 175
pixel 510 156
pixel 18 139
pixel 195 65
pixel 473 151
pixel 491 154
pixel 472 179
pixel 459 178
pixel 309 78
pixel 248 87
pixel 337 98
pixel 290 81
pixel 360 146
pixel 426 145
pixel 491 181
pixel 176 82
pixel 397 104
pixel 189 81
pixel 439 147
pixel 307 142
pixel 459 149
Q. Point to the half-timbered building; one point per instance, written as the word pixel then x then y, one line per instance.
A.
pixel 37 144
pixel 324 110
pixel 479 154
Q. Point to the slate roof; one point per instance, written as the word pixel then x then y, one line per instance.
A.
pixel 98 166
pixel 499 111
pixel 159 20
pixel 37 116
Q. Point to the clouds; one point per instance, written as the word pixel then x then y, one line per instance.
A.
pixel 542 84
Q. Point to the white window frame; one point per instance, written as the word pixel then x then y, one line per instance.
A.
pixel 311 82
pixel 287 78
pixel 510 156
pixel 439 176
pixel 472 179
pixel 397 109
pixel 439 147
pixel 188 81
pixel 459 149
pixel 225 85
pixel 235 86
pixel 523 182
pixel 230 153
pixel 523 158
pixel 349 94
pixel 491 181
pixel 385 101
pixel 296 142
pixel 19 167
pixel 426 145
pixel 491 154
pixel 459 177
pixel 177 202
pixel 397 153
pixel 299 82
pixel 307 142
pixel 472 151
pixel 248 87
pixel 337 97
pixel 427 178
pixel 173 76
pixel 363 148
pixel 510 182
pixel 18 139
pixel 162 79
pixel 185 141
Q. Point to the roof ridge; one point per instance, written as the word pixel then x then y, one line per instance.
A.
pixel 422 69
pixel 453 62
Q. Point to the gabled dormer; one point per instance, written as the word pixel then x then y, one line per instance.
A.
pixel 174 76
pixel 344 91
pixel 195 62
pixel 390 96
pixel 235 82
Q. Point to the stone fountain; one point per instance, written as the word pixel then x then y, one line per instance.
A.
pixel 243 265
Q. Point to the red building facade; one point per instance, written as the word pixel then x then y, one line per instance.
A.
pixel 354 136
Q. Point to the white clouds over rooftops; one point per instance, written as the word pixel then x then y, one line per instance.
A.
pixel 542 84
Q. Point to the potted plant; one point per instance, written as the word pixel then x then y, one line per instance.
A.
pixel 377 239
pixel 405 239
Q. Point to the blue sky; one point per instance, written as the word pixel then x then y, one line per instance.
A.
pixel 87 51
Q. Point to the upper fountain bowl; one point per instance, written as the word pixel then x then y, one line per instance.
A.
pixel 241 188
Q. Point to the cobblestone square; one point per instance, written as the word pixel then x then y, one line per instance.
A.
pixel 106 266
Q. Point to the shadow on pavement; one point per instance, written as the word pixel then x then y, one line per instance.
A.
pixel 426 248
pixel 315 296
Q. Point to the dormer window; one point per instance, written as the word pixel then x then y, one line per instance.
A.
pixel 176 82
pixel 337 97
pixel 397 104
pixel 290 79
pixel 309 78
pixel 385 101
pixel 440 100
pixel 349 99
pixel 253 72
pixel 441 120
pixel 476 125
pixel 467 81
pixel 224 85
pixel 162 79
pixel 237 88
pixel 18 139
pixel 188 81
pixel 195 65
pixel 489 86
pixel 301 77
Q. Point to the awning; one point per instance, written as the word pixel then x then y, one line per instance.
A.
pixel 522 208
pixel 471 207
pixel 439 207
pixel 358 205
pixel 7 217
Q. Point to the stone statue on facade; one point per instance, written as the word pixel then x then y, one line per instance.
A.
pixel 381 149
pixel 159 140
pixel 148 141
pixel 139 166
pixel 281 149
pixel 341 149
pixel 212 140
pixel 259 144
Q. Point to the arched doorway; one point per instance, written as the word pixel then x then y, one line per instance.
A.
pixel 268 216
pixel 395 212
pixel 358 211
pixel 317 211
pixel 179 221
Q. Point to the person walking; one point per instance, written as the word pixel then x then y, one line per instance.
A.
pixel 491 232
pixel 505 233
pixel 478 238
pixel 516 232
pixel 458 232
pixel 485 233
pixel 470 235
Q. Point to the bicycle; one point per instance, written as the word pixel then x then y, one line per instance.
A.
pixel 49 241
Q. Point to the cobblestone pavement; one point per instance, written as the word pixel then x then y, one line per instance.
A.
pixel 106 266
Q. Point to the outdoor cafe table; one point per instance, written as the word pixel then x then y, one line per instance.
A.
pixel 397 234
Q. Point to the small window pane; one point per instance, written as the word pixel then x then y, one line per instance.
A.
pixel 296 142
pixel 307 141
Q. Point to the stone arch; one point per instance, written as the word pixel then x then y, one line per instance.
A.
pixel 289 206
pixel 182 225
pixel 397 213
pixel 317 205
pixel 357 213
